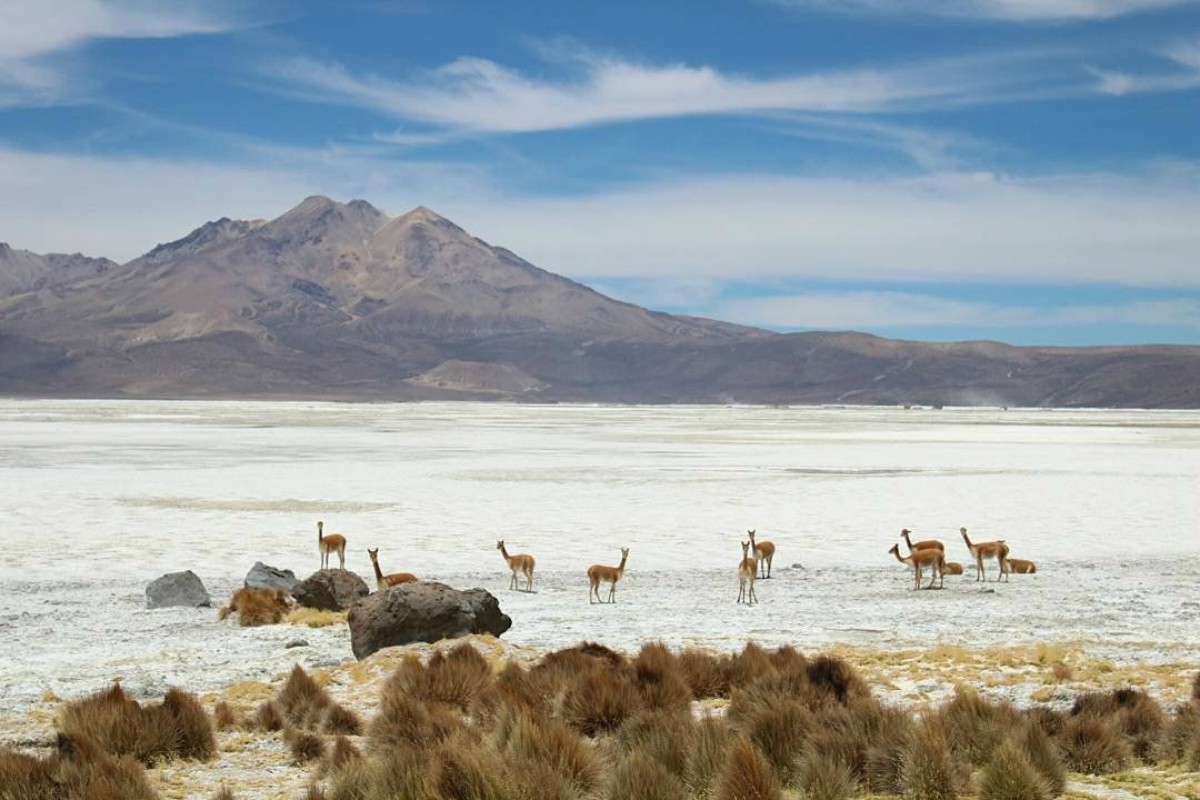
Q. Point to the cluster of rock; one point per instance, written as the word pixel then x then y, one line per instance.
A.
pixel 425 611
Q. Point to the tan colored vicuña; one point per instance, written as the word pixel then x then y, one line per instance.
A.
pixel 600 572
pixel 520 563
pixel 386 581
pixel 953 568
pixel 981 550
pixel 924 544
pixel 763 552
pixel 333 543
pixel 918 559
pixel 747 570
pixel 1020 566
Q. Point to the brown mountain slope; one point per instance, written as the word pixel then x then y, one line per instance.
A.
pixel 339 300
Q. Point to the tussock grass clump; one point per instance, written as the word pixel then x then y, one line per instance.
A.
pixel 710 749
pixel 834 676
pixel 666 736
pixel 557 747
pixel 1196 689
pixel 1093 746
pixel 780 733
pixel 927 770
pixel 660 680
pixel 464 770
pixel 705 674
pixel 341 720
pixel 746 775
pixel 224 793
pixel 224 717
pixel 304 746
pixel 342 753
pixel 1043 757
pixel 258 606
pixel 974 727
pixel 748 666
pixel 269 716
pixel 1181 734
pixel 177 728
pixel 640 777
pixel 78 770
pixel 825 779
pixel 406 721
pixel 1008 775
pixel 840 743
pixel 599 702
pixel 303 701
pixel 455 679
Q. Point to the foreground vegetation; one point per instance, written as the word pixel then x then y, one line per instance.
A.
pixel 588 722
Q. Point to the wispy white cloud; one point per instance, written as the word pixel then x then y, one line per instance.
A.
pixel 474 94
pixel 875 310
pixel 1137 230
pixel 1002 10
pixel 33 32
pixel 1184 74
pixel 950 227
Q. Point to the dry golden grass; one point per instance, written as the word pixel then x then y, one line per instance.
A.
pixel 746 775
pixel 176 728
pixel 315 618
pixel 77 770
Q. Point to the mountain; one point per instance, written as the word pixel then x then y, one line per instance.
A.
pixel 340 301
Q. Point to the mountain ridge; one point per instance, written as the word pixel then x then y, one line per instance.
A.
pixel 341 301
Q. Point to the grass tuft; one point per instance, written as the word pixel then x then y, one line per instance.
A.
pixel 341 720
pixel 746 775
pixel 1093 746
pixel 1008 775
pixel 640 777
pixel 177 728
pixel 304 746
pixel 224 717
pixel 599 702
pixel 927 770
pixel 77 769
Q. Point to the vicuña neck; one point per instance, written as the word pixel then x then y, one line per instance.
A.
pixel 378 571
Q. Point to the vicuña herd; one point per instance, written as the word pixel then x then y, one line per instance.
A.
pixel 754 564
pixel 932 553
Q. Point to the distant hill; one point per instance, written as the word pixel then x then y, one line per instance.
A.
pixel 340 301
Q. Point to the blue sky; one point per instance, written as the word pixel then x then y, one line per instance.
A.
pixel 1019 170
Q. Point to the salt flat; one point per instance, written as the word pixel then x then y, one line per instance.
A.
pixel 99 497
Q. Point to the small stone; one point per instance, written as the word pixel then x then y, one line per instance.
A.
pixel 296 643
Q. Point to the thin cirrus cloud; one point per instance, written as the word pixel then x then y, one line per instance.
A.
pixel 34 32
pixel 479 95
pixel 997 10
pixel 882 309
pixel 1183 74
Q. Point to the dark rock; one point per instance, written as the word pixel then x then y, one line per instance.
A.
pixel 425 611
pixel 296 643
pixel 262 576
pixel 331 590
pixel 177 589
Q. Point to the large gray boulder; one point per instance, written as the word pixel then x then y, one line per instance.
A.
pixel 425 611
pixel 177 589
pixel 331 590
pixel 262 576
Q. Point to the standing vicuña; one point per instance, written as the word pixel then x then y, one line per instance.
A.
pixel 918 559
pixel 747 570
pixel 764 554
pixel 600 572
pixel 386 581
pixel 924 544
pixel 981 550
pixel 521 563
pixel 333 543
